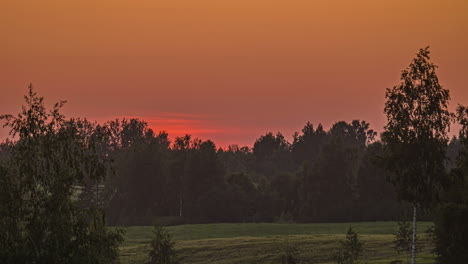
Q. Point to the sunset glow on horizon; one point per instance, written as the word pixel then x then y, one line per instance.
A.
pixel 228 71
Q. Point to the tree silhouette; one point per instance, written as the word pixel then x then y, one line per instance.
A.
pixel 415 136
pixel 43 220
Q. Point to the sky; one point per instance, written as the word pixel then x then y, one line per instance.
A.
pixel 226 70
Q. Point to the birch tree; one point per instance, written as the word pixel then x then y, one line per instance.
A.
pixel 416 137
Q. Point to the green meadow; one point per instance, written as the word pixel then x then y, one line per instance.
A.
pixel 267 242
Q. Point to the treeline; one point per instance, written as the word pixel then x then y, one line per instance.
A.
pixel 321 176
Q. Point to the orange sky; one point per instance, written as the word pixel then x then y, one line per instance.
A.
pixel 226 70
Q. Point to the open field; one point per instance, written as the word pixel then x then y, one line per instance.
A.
pixel 265 243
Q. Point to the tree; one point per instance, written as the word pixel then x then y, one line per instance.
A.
pixel 415 136
pixel 272 154
pixel 42 218
pixel 204 179
pixel 306 146
pixel 162 247
pixel 402 241
pixel 331 184
pixel 351 248
pixel 377 197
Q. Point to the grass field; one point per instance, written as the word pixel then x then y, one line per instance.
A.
pixel 265 243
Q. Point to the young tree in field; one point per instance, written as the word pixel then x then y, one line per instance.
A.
pixel 403 238
pixel 415 136
pixel 351 249
pixel 162 247
pixel 42 218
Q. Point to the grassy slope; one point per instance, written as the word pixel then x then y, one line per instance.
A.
pixel 264 243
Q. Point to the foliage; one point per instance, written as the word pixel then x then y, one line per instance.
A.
pixel 329 186
pixel 450 229
pixel 351 249
pixel 162 247
pixel 321 176
pixel 192 180
pixel 451 233
pixel 402 241
pixel 306 146
pixel 43 220
pixel 272 154
pixel 403 236
pixel 415 136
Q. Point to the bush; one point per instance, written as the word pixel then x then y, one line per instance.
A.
pixel 162 247
pixel 351 249
pixel 451 234
pixel 404 239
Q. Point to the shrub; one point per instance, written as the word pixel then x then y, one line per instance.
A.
pixel 351 249
pixel 451 234
pixel 404 238
pixel 162 247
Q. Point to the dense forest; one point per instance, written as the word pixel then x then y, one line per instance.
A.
pixel 321 176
